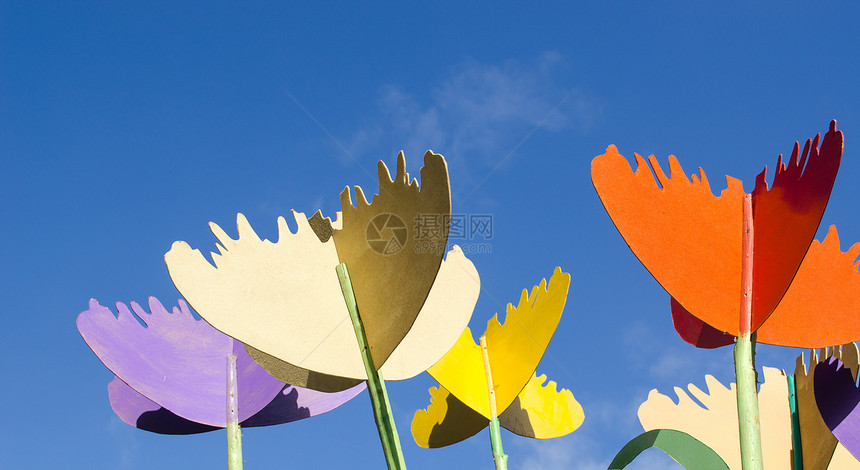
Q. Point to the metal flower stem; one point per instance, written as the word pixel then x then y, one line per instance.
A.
pixel 375 384
pixel 499 456
pixel 744 353
pixel 234 434
pixel 796 450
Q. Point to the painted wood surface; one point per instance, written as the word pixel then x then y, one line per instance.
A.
pixel 698 236
pixel 392 259
pixel 289 302
pixel 838 400
pixel 167 375
pixel 716 423
pixel 443 317
pixel 515 348
pixel 689 452
pixel 291 404
pixel 816 440
pixel 527 405
pixel 821 307
pixel 175 360
pixel 282 298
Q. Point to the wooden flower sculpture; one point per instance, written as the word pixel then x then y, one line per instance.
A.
pixel 295 303
pixel 836 398
pixel 709 417
pixel 688 238
pixel 818 310
pixel 746 248
pixel 284 300
pixel 463 404
pixel 171 372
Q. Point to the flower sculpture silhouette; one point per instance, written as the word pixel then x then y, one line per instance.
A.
pixel 710 418
pixel 171 372
pixel 459 407
pixel 284 301
pixel 686 237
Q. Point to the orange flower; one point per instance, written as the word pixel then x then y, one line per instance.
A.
pixel 690 241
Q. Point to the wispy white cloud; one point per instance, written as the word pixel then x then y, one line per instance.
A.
pixel 477 115
pixel 673 361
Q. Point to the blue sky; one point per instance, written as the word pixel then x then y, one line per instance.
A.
pixel 126 127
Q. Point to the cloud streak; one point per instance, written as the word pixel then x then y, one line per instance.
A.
pixel 478 114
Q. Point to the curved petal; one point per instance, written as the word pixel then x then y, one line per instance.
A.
pixel 695 331
pixel 141 412
pixel 680 232
pixel 393 259
pixel 291 287
pixel 295 403
pixel 688 238
pixel 446 421
pixel 291 404
pixel 176 361
pixel 821 307
pixel 838 398
pixel 443 317
pixel 787 215
pixel 688 451
pixel 816 441
pixel 542 412
pixel 282 298
pixel 515 348
pixel 716 425
pixel 288 373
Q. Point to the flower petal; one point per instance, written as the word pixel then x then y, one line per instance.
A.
pixel 141 412
pixel 392 260
pixel 683 235
pixel 695 331
pixel 821 307
pixel 816 440
pixel 175 361
pixel 716 424
pixel 443 317
pixel 446 421
pixel 282 298
pixel 542 412
pixel 515 348
pixel 787 215
pixel 290 404
pixel 688 238
pixel 837 398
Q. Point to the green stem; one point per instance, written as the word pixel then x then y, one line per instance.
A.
pixel 745 376
pixel 375 385
pixel 748 416
pixel 796 449
pixel 499 456
pixel 234 434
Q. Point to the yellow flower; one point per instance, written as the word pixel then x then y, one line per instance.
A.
pixel 459 408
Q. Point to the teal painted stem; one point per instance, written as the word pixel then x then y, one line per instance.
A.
pixel 499 456
pixel 375 385
pixel 748 415
pixel 234 434
pixel 796 448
